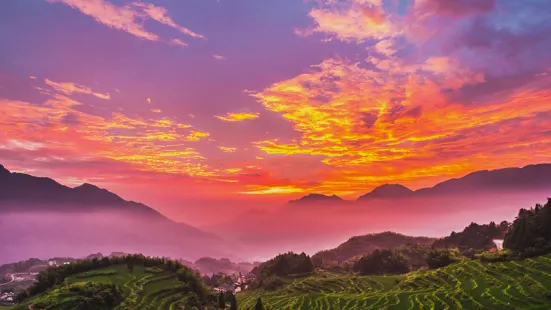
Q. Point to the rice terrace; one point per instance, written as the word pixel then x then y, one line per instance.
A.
pixel 464 285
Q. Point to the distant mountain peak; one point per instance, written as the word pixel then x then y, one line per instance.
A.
pixel 87 185
pixel 4 171
pixel 313 197
pixel 388 191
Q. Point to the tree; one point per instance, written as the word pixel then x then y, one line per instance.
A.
pixel 233 302
pixel 258 305
pixel 130 266
pixel 221 301
pixel 381 262
pixel 437 258
pixel 530 233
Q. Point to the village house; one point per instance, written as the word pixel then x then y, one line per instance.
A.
pixel 7 298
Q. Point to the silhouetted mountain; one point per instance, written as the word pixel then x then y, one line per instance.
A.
pixel 362 245
pixel 388 191
pixel 532 177
pixel 19 190
pixel 317 198
pixel 36 213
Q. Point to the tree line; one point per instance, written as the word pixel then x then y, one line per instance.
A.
pixel 530 233
pixel 56 275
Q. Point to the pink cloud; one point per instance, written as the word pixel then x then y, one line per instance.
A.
pixel 129 18
pixel 456 8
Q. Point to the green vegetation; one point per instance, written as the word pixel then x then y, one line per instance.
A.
pixel 362 245
pixel 131 282
pixel 382 262
pixel 269 274
pixel 530 233
pixel 469 284
pixel 474 238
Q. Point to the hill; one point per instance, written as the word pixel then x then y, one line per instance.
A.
pixel 131 282
pixel 315 198
pixel 88 219
pixel 464 285
pixel 361 245
pixel 476 237
pixel 388 191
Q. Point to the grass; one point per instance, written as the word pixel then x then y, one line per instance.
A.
pixel 466 285
pixel 147 289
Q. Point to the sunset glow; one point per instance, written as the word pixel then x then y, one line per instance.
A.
pixel 272 99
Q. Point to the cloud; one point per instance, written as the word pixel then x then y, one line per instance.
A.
pixel 129 18
pixel 178 42
pixel 267 190
pixel 237 117
pixel 218 57
pixel 60 130
pixel 69 88
pixel 455 8
pixel 370 138
pixel 159 14
pixel 227 149
pixel 351 21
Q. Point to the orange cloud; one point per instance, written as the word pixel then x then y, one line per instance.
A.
pixel 266 190
pixel 218 57
pixel 69 88
pixel 375 127
pixel 237 117
pixel 58 127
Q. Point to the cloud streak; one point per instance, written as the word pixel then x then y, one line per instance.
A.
pixel 129 18
pixel 237 117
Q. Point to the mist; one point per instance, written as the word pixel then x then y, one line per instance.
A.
pixel 77 234
pixel 317 226
pixel 255 234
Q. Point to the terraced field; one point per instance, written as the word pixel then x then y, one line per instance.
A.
pixel 468 285
pixel 141 289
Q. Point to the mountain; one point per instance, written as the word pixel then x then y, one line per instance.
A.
pixel 531 177
pixel 311 198
pixel 38 193
pixel 41 218
pixel 388 191
pixel 361 245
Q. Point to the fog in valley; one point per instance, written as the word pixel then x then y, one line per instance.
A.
pixel 257 234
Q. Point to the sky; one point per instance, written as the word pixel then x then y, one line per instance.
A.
pixel 177 102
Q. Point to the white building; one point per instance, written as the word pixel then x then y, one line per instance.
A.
pixel 499 244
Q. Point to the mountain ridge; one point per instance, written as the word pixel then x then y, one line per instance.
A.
pixel 512 178
pixel 90 213
pixel 314 197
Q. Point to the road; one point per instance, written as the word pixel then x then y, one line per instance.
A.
pixel 12 279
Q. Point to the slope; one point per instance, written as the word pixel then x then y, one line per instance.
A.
pixel 140 288
pixel 465 285
pixel 361 245
pixel 42 218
